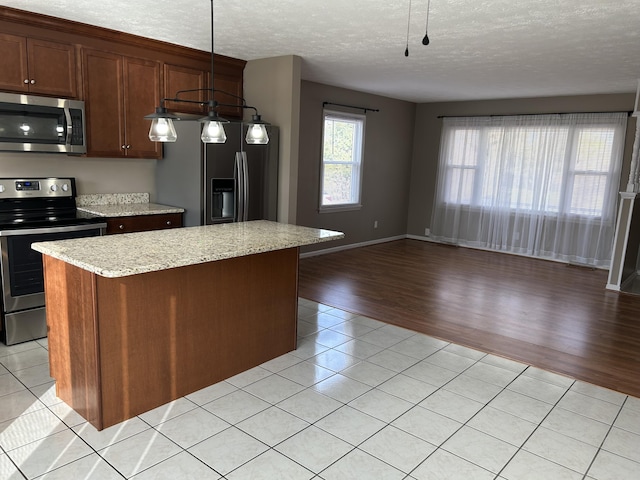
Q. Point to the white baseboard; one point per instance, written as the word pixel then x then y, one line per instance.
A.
pixel 324 251
pixel 422 238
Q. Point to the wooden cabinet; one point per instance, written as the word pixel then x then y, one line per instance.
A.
pixel 228 86
pixel 228 90
pixel 141 223
pixel 119 91
pixel 178 77
pixel 126 345
pixel 29 65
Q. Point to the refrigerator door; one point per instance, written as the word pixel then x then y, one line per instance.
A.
pixel 262 177
pixel 254 170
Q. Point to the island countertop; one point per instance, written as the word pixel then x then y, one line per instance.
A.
pixel 135 253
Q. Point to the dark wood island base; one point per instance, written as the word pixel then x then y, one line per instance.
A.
pixel 122 346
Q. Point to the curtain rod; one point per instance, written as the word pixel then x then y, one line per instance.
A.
pixel 365 109
pixel 629 113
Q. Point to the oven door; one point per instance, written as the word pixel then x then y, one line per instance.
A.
pixel 21 267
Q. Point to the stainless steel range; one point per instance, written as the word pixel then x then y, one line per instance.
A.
pixel 34 210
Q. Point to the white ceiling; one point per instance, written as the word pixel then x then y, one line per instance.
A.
pixel 480 49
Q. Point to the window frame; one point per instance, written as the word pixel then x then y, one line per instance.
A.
pixel 357 160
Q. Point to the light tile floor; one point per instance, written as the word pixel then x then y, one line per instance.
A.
pixel 359 399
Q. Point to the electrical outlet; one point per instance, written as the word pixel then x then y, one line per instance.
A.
pixel 426 232
pixel 375 224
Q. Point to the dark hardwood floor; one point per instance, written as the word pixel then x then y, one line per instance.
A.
pixel 546 314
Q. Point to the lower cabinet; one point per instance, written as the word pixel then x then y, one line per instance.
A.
pixel 142 223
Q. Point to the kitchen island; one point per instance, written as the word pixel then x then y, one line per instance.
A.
pixel 138 320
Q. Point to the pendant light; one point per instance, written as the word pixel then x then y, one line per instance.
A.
pixel 257 133
pixel 425 39
pixel 162 129
pixel 213 129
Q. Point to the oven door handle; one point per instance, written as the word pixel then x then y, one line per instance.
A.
pixel 66 228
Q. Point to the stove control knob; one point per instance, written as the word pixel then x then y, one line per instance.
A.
pixel 65 187
pixel 54 188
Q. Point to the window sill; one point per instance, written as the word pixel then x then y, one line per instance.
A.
pixel 340 208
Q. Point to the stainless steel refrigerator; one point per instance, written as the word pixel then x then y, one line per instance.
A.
pixel 217 183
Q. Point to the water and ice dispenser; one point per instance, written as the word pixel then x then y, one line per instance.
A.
pixel 223 200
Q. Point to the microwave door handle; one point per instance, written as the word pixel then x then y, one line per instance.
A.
pixel 67 116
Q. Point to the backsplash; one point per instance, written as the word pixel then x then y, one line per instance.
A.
pixel 111 199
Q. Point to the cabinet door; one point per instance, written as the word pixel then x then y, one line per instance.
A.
pixel 52 68
pixel 225 85
pixel 39 67
pixel 141 97
pixel 178 77
pixel 13 63
pixel 104 100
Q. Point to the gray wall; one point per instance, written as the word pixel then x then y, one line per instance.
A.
pixel 386 164
pixel 428 129
pixel 272 85
pixel 93 175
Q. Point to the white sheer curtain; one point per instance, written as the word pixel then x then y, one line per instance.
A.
pixel 539 185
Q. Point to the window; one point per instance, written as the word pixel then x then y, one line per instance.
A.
pixel 540 168
pixel 342 151
pixel 539 185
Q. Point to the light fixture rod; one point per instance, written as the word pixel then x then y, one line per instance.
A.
pixel 212 53
pixel 406 50
pixel 425 39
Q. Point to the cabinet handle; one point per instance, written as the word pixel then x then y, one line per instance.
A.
pixel 168 222
pixel 121 227
pixel 123 147
pixel 33 82
pixel 128 146
pixel 26 81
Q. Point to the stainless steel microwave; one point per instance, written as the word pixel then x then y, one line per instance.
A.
pixel 41 124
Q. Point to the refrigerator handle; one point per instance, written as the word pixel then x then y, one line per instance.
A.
pixel 239 175
pixel 245 187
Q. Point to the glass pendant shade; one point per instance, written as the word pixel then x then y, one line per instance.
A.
pixel 257 134
pixel 162 130
pixel 213 132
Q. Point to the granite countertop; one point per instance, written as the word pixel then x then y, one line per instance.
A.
pixel 136 253
pixel 121 205
pixel 129 209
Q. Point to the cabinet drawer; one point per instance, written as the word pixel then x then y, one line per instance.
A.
pixel 141 223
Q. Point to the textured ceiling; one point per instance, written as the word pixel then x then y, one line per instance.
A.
pixel 480 49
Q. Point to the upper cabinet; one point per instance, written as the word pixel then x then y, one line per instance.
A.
pixel 121 77
pixel 40 67
pixel 181 77
pixel 118 92
pixel 228 85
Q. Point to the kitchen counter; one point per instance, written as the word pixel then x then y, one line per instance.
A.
pixel 129 209
pixel 122 205
pixel 135 253
pixel 138 320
